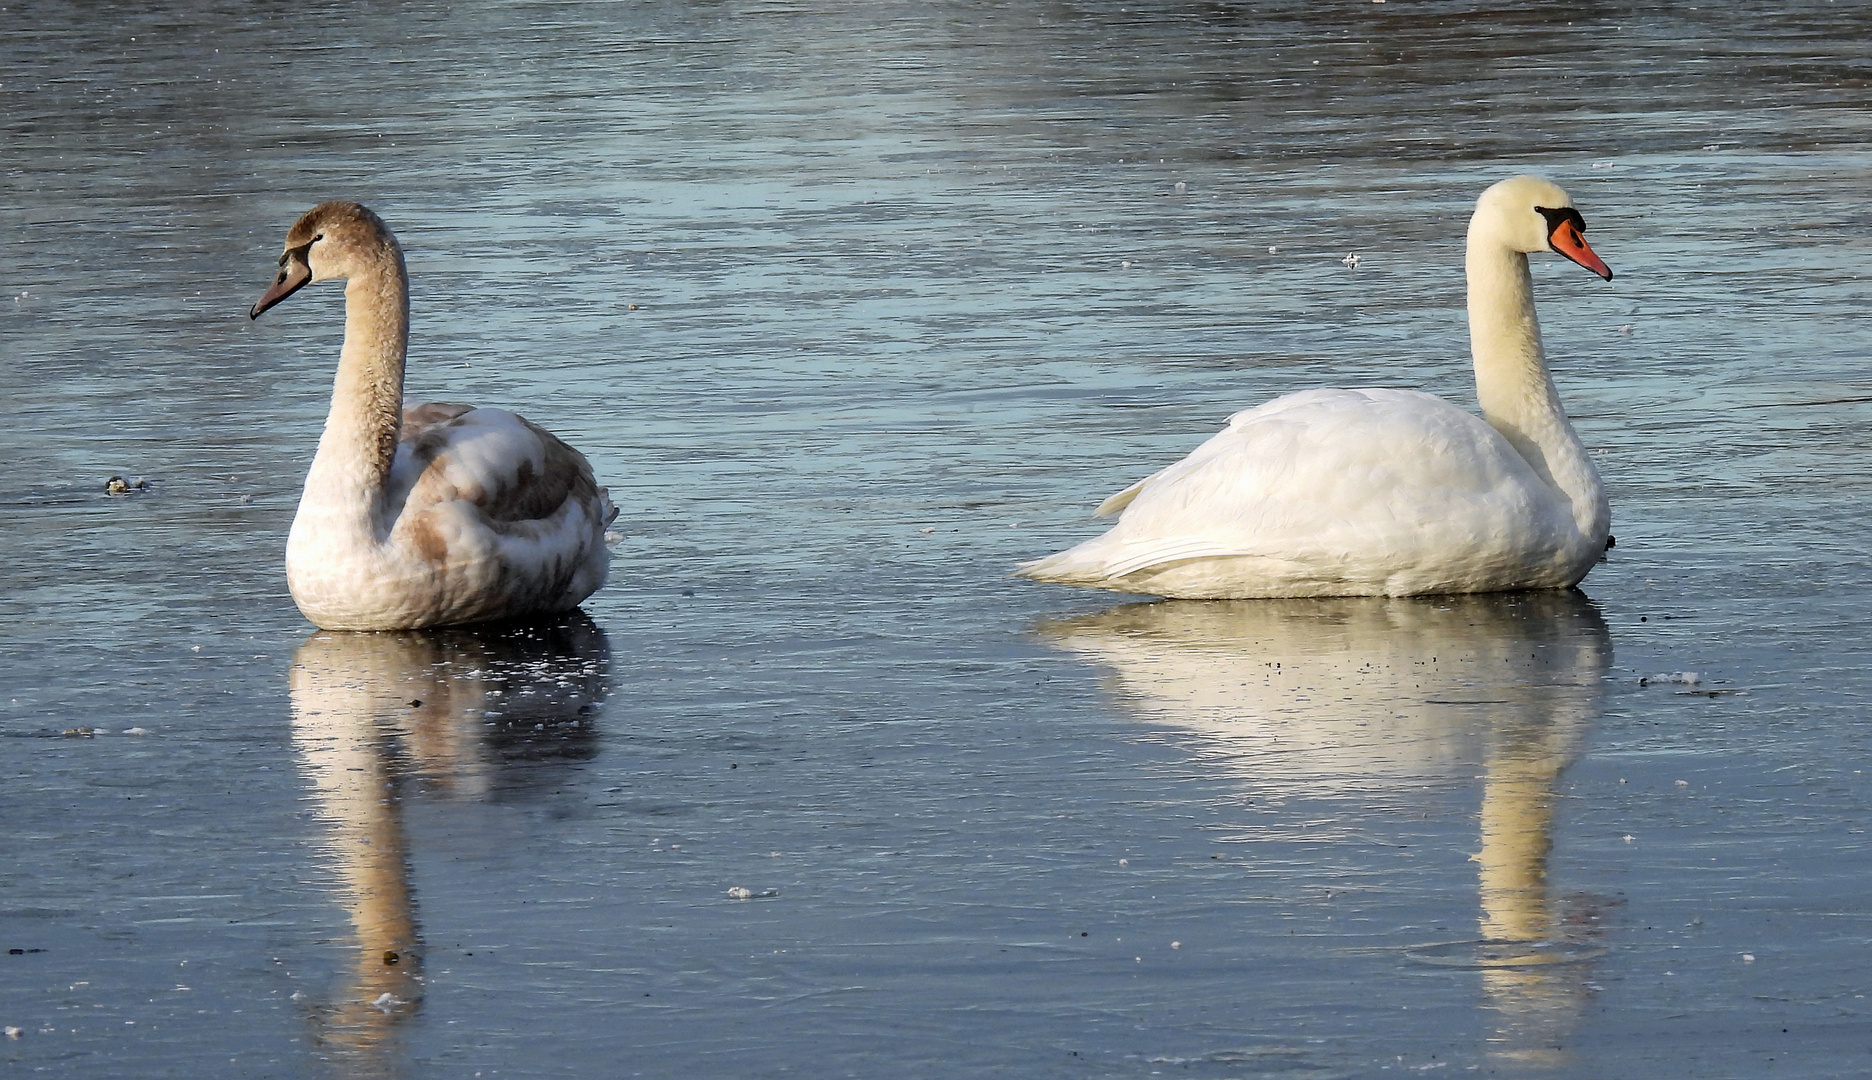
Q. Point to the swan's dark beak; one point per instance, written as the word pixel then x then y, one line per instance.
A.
pixel 294 275
pixel 1567 239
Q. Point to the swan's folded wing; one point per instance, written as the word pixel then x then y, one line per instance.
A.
pixel 1128 558
pixel 1321 474
pixel 508 468
pixel 1221 443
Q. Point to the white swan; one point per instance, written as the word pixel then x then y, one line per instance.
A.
pixel 1370 492
pixel 433 515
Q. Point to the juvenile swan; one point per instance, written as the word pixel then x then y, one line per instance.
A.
pixel 1383 492
pixel 436 514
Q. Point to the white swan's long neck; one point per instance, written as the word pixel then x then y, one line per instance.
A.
pixel 354 455
pixel 1515 391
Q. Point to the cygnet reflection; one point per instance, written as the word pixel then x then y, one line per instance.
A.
pixel 1332 697
pixel 472 713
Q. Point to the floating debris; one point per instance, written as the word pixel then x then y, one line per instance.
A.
pixel 117 485
pixel 1351 260
pixel 742 893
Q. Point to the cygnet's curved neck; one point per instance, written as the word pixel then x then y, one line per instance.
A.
pixel 1515 391
pixel 359 444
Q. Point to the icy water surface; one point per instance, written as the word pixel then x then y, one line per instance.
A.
pixel 854 307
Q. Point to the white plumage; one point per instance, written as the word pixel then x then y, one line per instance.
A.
pixel 1381 491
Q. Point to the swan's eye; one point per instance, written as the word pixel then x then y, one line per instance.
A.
pixel 317 238
pixel 1557 218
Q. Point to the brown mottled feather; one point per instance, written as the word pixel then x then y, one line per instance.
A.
pixel 527 496
pixel 428 415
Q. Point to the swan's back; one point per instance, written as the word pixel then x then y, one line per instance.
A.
pixel 505 511
pixel 1333 492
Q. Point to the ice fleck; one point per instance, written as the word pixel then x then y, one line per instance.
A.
pixel 741 892
pixel 1628 838
pixel 1748 958
pixel 13 1033
pixel 1181 187
pixel 386 1001
pixel 136 731
pixel 1273 249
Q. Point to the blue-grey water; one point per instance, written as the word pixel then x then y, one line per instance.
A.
pixel 853 306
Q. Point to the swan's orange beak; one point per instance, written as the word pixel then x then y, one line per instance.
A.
pixel 1567 240
pixel 294 275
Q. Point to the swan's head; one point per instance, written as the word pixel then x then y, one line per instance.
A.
pixel 331 240
pixel 1526 213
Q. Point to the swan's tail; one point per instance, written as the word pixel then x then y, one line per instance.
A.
pixel 1058 568
pixel 1104 563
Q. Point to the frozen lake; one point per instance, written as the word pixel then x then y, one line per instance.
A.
pixel 853 307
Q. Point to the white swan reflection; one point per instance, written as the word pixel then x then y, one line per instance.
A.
pixel 1332 697
pixel 458 713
